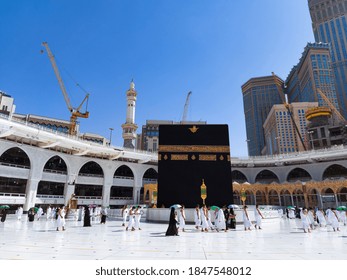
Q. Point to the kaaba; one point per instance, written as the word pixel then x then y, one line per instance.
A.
pixel 190 156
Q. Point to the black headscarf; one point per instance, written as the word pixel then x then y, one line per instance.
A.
pixel 172 216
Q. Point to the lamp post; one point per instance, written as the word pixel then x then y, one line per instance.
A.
pixel 243 196
pixel 203 191
pixel 154 198
pixel 111 129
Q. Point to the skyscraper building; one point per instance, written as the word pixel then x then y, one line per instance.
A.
pixel 259 95
pixel 329 25
pixel 314 71
pixel 280 133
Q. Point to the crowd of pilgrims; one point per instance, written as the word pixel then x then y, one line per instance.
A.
pixel 224 218
pixel 312 218
pixel 85 213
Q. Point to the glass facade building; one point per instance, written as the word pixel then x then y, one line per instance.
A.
pixel 329 25
pixel 259 95
pixel 314 71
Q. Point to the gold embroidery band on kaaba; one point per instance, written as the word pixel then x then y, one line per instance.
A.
pixel 208 157
pixel 179 157
pixel 202 157
pixel 193 148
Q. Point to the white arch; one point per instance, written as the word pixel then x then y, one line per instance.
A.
pixel 296 167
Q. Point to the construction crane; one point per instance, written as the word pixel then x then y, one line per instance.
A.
pixel 287 106
pixel 75 112
pixel 332 107
pixel 186 105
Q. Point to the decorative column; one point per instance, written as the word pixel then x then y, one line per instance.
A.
pixel 107 185
pixel 30 193
pixel 69 189
pixel 291 198
pixel 279 199
pixel 137 189
pixel 136 194
pixel 304 191
pixel 267 195
pixel 106 192
pixel 320 200
pixel 336 200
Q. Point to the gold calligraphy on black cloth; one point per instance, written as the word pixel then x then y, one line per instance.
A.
pixel 193 148
pixel 194 152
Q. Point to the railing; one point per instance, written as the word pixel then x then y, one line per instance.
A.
pixel 149 180
pixel 89 197
pixel 49 196
pixel 91 175
pixel 55 171
pixel 121 198
pixel 123 177
pixel 13 194
pixel 297 155
pixel 15 165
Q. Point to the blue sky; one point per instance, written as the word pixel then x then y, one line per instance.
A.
pixel 169 47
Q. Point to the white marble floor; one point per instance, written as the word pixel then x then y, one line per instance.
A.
pixel 279 240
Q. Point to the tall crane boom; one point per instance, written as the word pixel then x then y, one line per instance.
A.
pixel 75 112
pixel 287 106
pixel 186 105
pixel 57 74
pixel 332 107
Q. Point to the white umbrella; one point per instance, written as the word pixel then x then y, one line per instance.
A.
pixel 175 206
pixel 234 206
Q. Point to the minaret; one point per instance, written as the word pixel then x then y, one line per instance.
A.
pixel 129 127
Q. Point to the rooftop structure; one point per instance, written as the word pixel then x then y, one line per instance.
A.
pixel 37 135
pixel 6 104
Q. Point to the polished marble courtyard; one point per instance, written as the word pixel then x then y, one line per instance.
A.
pixel 280 239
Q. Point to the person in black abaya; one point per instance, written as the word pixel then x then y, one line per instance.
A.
pixel 103 215
pixel 86 220
pixel 31 214
pixel 172 229
pixel 3 216
pixel 226 217
pixel 232 219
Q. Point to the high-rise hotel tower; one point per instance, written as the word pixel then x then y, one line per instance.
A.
pixel 259 95
pixel 329 25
